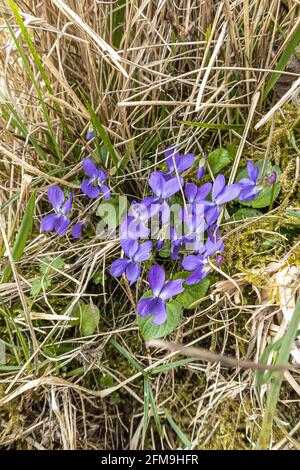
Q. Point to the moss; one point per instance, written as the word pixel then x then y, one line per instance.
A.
pixel 13 422
pixel 228 427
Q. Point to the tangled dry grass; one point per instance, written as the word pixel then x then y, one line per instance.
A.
pixel 145 67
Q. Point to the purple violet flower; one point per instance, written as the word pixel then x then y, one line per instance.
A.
pixel 77 229
pixel 249 187
pixel 175 161
pixel 131 265
pixel 59 221
pixel 196 195
pixel 221 194
pixel 162 190
pixel 135 224
pixel 90 134
pixel 211 214
pixel 162 291
pixel 198 263
pixel 93 186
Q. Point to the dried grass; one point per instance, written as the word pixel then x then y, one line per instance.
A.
pixel 144 76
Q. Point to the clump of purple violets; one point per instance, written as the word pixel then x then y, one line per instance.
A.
pixel 93 187
pixel 199 247
pixel 193 238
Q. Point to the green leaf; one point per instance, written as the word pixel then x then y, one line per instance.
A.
pixel 39 284
pixel 245 213
pixel 218 159
pixel 88 317
pixel 270 193
pixel 106 381
pixel 48 263
pixel 166 249
pixel 36 287
pixel 22 236
pixel 192 293
pixel 150 331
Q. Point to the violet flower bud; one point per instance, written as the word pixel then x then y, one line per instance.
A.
pixel 273 178
pixel 219 260
pixel 200 170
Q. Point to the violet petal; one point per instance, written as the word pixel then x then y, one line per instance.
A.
pixel 89 167
pixel 156 277
pixel 156 183
pixel 192 262
pixel 218 186
pixel 159 310
pixel 144 306
pixel 47 223
pixel 77 230
pixel 229 193
pixel 106 192
pixel 196 276
pixel 67 205
pixel 171 289
pixel 55 196
pixel 61 224
pixel 143 252
pixel 118 267
pixel 170 188
pixel 129 247
pixel 185 162
pixel 190 192
pixel 132 272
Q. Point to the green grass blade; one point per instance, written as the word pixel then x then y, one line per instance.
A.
pixel 18 123
pixel 281 64
pixel 178 431
pixel 293 214
pixel 37 89
pixel 155 412
pixel 118 22
pixel 128 356
pixel 276 380
pixel 123 163
pixel 22 236
pixel 38 63
pixel 146 408
pixel 100 132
